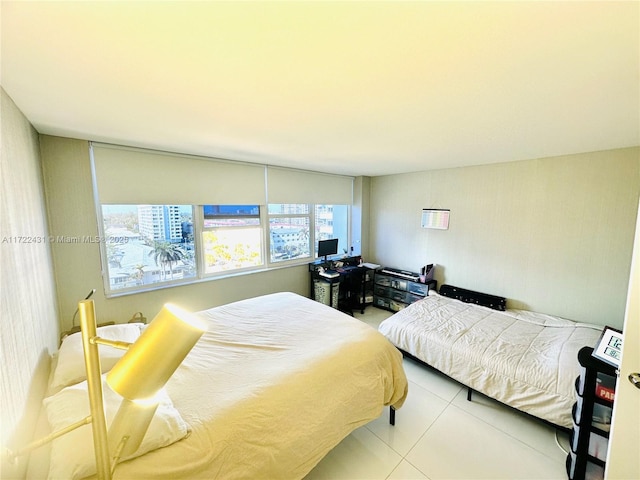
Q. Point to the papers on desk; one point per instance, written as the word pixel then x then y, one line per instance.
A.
pixel 329 273
pixel 370 265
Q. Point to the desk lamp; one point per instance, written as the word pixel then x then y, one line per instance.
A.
pixel 138 376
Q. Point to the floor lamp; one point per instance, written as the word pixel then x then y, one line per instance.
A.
pixel 138 376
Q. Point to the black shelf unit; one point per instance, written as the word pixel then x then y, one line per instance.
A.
pixel 393 292
pixel 595 392
pixel 368 282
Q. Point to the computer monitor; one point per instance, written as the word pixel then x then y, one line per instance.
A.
pixel 327 247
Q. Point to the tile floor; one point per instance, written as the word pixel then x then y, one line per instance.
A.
pixel 440 435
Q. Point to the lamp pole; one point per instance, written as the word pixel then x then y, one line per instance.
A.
pixel 94 386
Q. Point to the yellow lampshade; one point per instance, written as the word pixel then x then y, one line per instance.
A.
pixel 130 423
pixel 153 358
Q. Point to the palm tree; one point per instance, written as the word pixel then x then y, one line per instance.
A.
pixel 165 253
pixel 303 234
pixel 138 274
pixel 303 239
pixel 114 255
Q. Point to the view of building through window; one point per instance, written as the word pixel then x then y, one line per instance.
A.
pixel 332 221
pixel 231 237
pixel 289 229
pixel 151 244
pixel 289 236
pixel 148 244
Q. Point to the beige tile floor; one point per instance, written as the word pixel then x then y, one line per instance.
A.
pixel 440 435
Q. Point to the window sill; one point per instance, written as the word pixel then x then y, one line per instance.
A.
pixel 208 278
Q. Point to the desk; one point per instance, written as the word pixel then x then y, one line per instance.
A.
pixel 348 290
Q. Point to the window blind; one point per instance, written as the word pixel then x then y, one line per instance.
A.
pixel 286 185
pixel 135 176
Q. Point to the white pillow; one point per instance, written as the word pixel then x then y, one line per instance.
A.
pixel 70 367
pixel 72 455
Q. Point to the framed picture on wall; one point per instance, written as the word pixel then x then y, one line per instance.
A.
pixel 609 346
pixel 437 218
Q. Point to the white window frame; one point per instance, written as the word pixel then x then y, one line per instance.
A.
pixel 106 280
pixel 198 229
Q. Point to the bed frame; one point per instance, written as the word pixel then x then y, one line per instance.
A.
pixel 469 394
pixel 493 302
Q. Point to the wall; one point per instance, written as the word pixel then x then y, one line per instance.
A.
pixel 71 208
pixel 360 216
pixel 28 320
pixel 553 235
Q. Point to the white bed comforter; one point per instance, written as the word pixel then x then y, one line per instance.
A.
pixel 524 359
pixel 275 383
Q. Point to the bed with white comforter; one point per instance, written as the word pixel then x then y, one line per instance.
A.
pixel 524 359
pixel 273 385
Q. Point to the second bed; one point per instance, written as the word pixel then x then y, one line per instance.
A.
pixel 524 359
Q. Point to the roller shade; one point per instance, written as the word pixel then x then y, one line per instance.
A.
pixel 297 186
pixel 135 176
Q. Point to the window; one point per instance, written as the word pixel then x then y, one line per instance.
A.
pixel 148 244
pixel 289 233
pixel 231 238
pixel 209 217
pixel 332 221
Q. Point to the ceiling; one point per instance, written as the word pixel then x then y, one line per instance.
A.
pixel 358 88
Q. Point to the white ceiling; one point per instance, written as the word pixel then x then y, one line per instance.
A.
pixel 360 88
